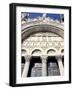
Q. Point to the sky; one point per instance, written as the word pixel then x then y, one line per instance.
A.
pixel 52 16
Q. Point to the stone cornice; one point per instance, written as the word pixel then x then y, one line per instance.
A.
pixel 51 22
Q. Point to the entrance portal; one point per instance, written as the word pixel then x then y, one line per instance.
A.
pixel 52 67
pixel 35 67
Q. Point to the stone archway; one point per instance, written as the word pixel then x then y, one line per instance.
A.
pixel 51 51
pixel 27 32
pixel 35 67
pixel 42 28
pixel 36 52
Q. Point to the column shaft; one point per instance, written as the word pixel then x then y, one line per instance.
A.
pixel 44 66
pixel 26 67
pixel 61 68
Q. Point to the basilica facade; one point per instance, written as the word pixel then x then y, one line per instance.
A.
pixel 42 47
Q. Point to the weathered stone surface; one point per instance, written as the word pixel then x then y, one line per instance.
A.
pixel 42 37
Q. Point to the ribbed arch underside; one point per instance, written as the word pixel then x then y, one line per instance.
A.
pixel 41 28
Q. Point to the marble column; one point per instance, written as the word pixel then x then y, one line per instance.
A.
pixel 44 65
pixel 26 66
pixel 60 64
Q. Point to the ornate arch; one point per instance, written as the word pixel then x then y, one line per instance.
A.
pixel 62 50
pixel 42 28
pixel 23 51
pixel 36 51
pixel 51 51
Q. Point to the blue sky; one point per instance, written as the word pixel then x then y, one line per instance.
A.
pixel 53 16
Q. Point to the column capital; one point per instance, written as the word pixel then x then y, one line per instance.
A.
pixel 58 57
pixel 44 58
pixel 27 58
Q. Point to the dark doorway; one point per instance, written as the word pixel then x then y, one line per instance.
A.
pixel 35 67
pixel 52 67
pixel 22 64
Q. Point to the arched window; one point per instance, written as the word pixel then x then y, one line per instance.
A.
pixel 36 52
pixel 51 51
pixel 23 51
pixel 62 51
